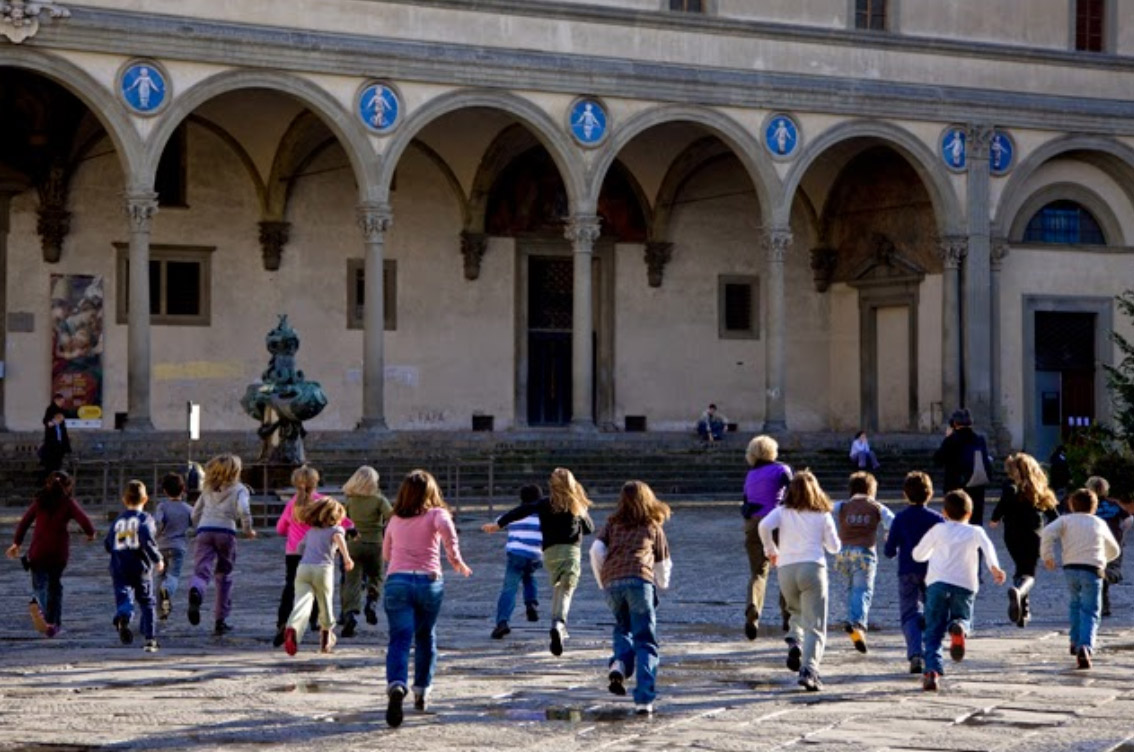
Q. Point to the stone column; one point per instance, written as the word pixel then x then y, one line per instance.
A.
pixel 976 388
pixel 952 252
pixel 375 221
pixel 140 208
pixel 5 205
pixel 582 231
pixel 1002 438
pixel 777 243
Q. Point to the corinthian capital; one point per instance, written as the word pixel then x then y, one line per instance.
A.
pixel 777 243
pixel 583 230
pixel 140 208
pixel 375 221
pixel 952 249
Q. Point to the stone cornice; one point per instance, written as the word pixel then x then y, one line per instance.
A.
pixel 170 37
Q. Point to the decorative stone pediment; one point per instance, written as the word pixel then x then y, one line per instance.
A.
pixel 19 19
pixel 886 265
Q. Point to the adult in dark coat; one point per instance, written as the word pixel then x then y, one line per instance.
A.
pixel 958 454
pixel 56 443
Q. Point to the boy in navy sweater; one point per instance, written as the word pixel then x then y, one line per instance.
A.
pixel 132 545
pixel 905 533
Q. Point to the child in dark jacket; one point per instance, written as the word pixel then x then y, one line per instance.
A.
pixel 1118 517
pixel 132 545
pixel 51 511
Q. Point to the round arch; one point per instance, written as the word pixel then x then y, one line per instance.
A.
pixel 349 133
pixel 94 95
pixel 934 176
pixel 537 121
pixel 1080 194
pixel 1112 157
pixel 736 137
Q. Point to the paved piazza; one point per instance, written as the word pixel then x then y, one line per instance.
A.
pixel 1016 690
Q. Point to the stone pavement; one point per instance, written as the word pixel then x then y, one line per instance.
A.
pixel 1016 690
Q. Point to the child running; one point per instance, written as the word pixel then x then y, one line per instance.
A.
pixel 630 560
pixel 858 519
pixel 51 511
pixel 953 551
pixel 315 574
pixel 524 551
pixel 133 548
pixel 222 504
pixel 563 521
pixel 290 525
pixel 369 510
pixel 1087 546
pixel 1026 505
pixel 1117 516
pixel 414 589
pixel 807 530
pixel 173 519
pixel 907 530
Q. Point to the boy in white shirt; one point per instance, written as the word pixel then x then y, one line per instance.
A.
pixel 1087 545
pixel 953 551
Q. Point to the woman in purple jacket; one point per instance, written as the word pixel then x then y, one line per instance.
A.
pixel 764 489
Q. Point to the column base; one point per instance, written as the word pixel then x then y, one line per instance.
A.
pixel 583 426
pixel 774 426
pixel 373 425
pixel 138 425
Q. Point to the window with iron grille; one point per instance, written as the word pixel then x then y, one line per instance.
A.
pixel 356 294
pixel 179 285
pixel 1066 223
pixel 738 307
pixel 687 6
pixel 1090 25
pixel 870 14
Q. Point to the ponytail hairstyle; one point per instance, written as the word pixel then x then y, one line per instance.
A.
pixel 567 494
pixel 56 489
pixel 305 479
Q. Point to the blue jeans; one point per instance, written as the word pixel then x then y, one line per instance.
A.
pixel 858 565
pixel 412 602
pixel 517 569
pixel 945 605
pixel 1085 606
pixel 48 586
pixel 911 598
pixel 129 588
pixel 867 459
pixel 631 600
pixel 174 558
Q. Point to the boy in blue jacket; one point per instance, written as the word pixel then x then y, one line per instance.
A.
pixel 132 545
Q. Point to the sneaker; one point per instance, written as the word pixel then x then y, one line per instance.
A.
pixel 556 640
pixel 809 680
pixel 617 679
pixel 52 630
pixel 151 646
pixel 394 714
pixel 194 612
pixel 165 605
pixel 501 630
pixel 122 624
pixel 929 682
pixel 794 657
pixel 917 665
pixel 290 641
pixel 221 628
pixel 751 629
pixel 956 641
pixel 1084 656
pixel 327 641
pixel 1015 612
pixel 278 639
pixel 643 708
pixel 36 614
pixel 350 624
pixel 533 614
pixel 858 637
pixel 371 612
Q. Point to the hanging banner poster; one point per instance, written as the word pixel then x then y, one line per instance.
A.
pixel 77 346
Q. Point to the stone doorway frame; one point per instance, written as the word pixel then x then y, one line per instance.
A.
pixel 872 295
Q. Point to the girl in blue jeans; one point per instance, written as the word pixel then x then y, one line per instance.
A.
pixel 414 589
pixel 630 557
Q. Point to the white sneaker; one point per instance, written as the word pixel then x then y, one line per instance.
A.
pixel 641 708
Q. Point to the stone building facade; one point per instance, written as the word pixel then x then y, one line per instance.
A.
pixel 821 215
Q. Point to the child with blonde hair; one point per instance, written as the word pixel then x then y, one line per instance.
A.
pixel 630 560
pixel 1026 505
pixel 132 545
pixel 563 521
pixel 315 574
pixel 222 505
pixel 369 510
pixel 421 525
pixel 806 534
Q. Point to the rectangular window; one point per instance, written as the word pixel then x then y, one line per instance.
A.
pixel 687 6
pixel 870 14
pixel 1090 25
pixel 179 284
pixel 172 172
pixel 356 293
pixel 738 307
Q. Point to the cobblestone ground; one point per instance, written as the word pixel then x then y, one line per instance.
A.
pixel 1016 690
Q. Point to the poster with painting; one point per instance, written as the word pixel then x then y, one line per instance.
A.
pixel 77 346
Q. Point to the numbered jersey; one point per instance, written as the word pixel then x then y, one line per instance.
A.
pixel 132 543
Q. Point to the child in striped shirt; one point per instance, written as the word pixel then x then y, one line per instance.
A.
pixel 524 550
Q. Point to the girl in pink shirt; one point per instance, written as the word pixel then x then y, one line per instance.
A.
pixel 411 547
